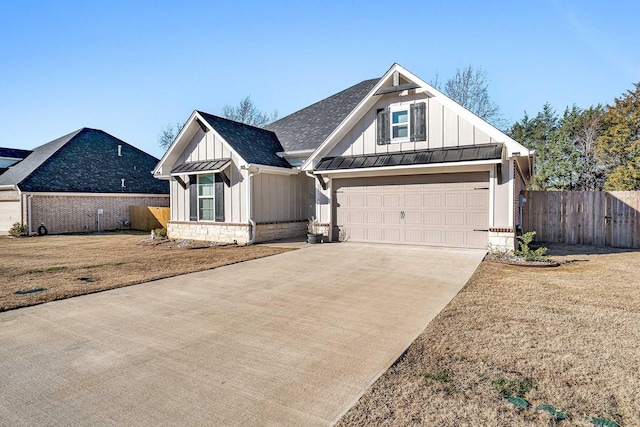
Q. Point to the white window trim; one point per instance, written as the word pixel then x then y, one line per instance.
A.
pixel 212 197
pixel 395 109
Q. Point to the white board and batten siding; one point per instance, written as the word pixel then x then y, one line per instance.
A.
pixel 281 198
pixel 445 128
pixel 276 198
pixel 207 146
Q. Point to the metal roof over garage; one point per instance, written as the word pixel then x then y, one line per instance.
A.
pixel 418 157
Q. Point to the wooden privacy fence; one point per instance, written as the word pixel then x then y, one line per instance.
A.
pixel 584 217
pixel 148 218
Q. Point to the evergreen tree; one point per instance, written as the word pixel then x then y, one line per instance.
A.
pixel 619 143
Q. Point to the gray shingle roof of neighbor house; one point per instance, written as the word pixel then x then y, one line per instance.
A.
pixel 14 153
pixel 419 157
pixel 254 145
pixel 86 161
pixel 306 129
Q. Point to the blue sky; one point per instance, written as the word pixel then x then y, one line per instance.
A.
pixel 132 67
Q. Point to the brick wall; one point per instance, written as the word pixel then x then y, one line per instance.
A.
pixel 76 213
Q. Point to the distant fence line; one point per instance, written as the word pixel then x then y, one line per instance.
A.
pixel 148 218
pixel 584 217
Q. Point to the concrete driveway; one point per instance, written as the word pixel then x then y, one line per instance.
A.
pixel 293 339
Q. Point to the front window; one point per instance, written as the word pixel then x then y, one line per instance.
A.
pixel 206 205
pixel 400 124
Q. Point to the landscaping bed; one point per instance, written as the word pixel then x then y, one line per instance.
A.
pixel 41 269
pixel 565 337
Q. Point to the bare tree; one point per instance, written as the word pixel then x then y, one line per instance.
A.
pixel 594 167
pixel 470 88
pixel 246 112
pixel 168 134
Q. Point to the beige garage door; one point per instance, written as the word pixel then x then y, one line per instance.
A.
pixel 9 215
pixel 437 210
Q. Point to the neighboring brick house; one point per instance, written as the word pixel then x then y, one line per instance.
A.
pixel 83 181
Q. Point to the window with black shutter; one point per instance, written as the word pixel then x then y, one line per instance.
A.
pixel 402 124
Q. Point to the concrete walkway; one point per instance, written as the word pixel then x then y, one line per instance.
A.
pixel 292 339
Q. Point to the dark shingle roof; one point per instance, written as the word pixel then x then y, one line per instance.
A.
pixel 86 161
pixel 420 157
pixel 254 145
pixel 14 153
pixel 306 129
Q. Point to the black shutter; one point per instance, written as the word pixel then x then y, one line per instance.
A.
pixel 219 197
pixel 382 126
pixel 193 197
pixel 418 122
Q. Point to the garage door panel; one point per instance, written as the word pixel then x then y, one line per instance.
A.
pixel 433 219
pixel 454 200
pixel 454 238
pixel 392 235
pixel 454 219
pixel 413 236
pixel 391 200
pixel 413 200
pixel 413 218
pixel 374 217
pixel 433 200
pixel 392 217
pixel 477 219
pixel 477 199
pixel 438 210
pixel 9 215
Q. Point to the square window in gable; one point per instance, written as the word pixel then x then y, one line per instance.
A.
pixel 400 124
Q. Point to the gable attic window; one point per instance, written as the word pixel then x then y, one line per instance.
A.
pixel 401 124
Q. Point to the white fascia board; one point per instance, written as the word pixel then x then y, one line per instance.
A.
pixel 159 172
pixel 403 168
pixel 490 130
pixel 9 187
pixel 275 170
pixel 172 148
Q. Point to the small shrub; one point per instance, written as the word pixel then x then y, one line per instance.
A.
pixel 161 232
pixel 18 229
pixel 525 251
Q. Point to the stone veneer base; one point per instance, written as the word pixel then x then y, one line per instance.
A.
pixel 231 232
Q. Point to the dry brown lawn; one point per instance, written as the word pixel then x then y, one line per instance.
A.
pixel 70 265
pixel 566 336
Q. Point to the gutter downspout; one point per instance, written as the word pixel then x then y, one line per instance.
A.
pixel 29 213
pixel 252 223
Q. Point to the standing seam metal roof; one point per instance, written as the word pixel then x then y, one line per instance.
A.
pixel 419 157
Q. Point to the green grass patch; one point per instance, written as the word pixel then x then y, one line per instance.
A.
pixel 52 269
pixel 440 376
pixel 513 388
pixel 115 264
